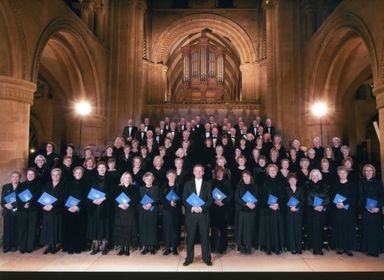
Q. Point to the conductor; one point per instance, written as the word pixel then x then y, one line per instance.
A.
pixel 197 217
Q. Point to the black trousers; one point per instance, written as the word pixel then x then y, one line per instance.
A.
pixel 27 223
pixel 198 223
pixel 10 239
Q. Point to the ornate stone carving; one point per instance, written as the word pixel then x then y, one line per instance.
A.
pixel 16 89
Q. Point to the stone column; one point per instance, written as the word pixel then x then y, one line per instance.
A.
pixel 378 91
pixel 16 97
pixel 87 13
pixel 249 74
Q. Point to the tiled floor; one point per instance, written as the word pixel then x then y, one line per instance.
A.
pixel 232 261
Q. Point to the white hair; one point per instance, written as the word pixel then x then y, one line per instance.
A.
pixel 315 172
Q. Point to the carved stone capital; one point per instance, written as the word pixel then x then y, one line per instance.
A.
pixel 270 4
pixel 16 89
pixel 86 5
pixel 378 92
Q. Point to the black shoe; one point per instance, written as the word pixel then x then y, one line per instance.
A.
pixel 269 253
pixel 13 249
pixel 94 251
pixel 174 252
pixel 209 263
pixel 152 250
pixel 121 252
pixel 126 251
pixel 47 250
pixel 293 252
pixel 300 252
pixel 278 252
pixel 373 255
pixel 22 252
pixel 54 250
pixel 349 253
pixel 167 252
pixel 104 252
pixel 339 252
pixel 5 250
pixel 186 263
pixel 145 251
pixel 70 252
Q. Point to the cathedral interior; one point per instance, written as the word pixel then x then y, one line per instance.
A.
pixel 132 59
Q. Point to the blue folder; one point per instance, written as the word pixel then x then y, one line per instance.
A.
pixel 339 198
pixel 195 200
pixel 272 199
pixel 46 199
pixel 292 202
pixel 248 197
pixel 123 198
pixel 217 194
pixel 371 203
pixel 147 199
pixel 317 201
pixel 172 195
pixel 95 194
pixel 72 201
pixel 25 195
pixel 10 198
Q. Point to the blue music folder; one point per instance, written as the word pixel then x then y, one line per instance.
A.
pixel 195 200
pixel 95 194
pixel 11 198
pixel 123 198
pixel 371 203
pixel 46 199
pixel 339 198
pixel 272 199
pixel 72 201
pixel 292 202
pixel 218 194
pixel 146 200
pixel 25 195
pixel 248 197
pixel 172 195
pixel 317 201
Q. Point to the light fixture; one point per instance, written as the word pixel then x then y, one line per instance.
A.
pixel 319 109
pixel 83 108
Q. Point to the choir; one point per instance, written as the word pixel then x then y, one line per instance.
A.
pixel 256 191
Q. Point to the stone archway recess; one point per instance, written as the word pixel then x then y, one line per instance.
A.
pixel 195 23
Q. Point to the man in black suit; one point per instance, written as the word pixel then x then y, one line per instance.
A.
pixel 147 125
pixel 129 132
pixel 141 134
pixel 197 219
pixel 269 128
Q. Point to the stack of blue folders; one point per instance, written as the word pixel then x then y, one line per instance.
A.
pixel 46 199
pixel 172 195
pixel 371 203
pixel 249 198
pixel 195 200
pixel 123 199
pixel 95 194
pixel 218 194
pixel 25 195
pixel 339 199
pixel 146 200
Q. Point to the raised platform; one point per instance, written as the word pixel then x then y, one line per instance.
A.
pixel 232 261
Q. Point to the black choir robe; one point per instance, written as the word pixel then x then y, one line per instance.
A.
pixel 10 230
pixel 148 218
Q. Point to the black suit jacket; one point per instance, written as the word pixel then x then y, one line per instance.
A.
pixel 205 195
pixel 126 132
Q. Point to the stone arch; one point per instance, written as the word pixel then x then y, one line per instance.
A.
pixel 71 39
pixel 335 36
pixel 195 23
pixel 14 58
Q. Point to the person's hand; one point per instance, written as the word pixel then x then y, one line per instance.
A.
pixel 48 207
pixel 319 208
pixel 9 206
pixel 374 210
pixel 219 202
pixel 73 209
pixel 340 205
pixel 293 209
pixel 129 139
pixel 124 206
pixel 274 206
pixel 147 206
pixel 26 205
pixel 173 203
pixel 251 205
pixel 199 209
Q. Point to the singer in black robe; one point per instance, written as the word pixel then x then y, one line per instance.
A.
pixel 271 234
pixel 220 212
pixel 373 235
pixel 74 218
pixel 148 217
pixel 247 214
pixel 27 221
pixel 171 214
pixel 343 220
pixel 125 223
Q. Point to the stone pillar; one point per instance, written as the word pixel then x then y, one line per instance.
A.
pixel 249 87
pixel 87 11
pixel 378 91
pixel 100 24
pixel 16 97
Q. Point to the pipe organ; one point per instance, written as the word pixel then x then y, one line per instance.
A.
pixel 203 72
